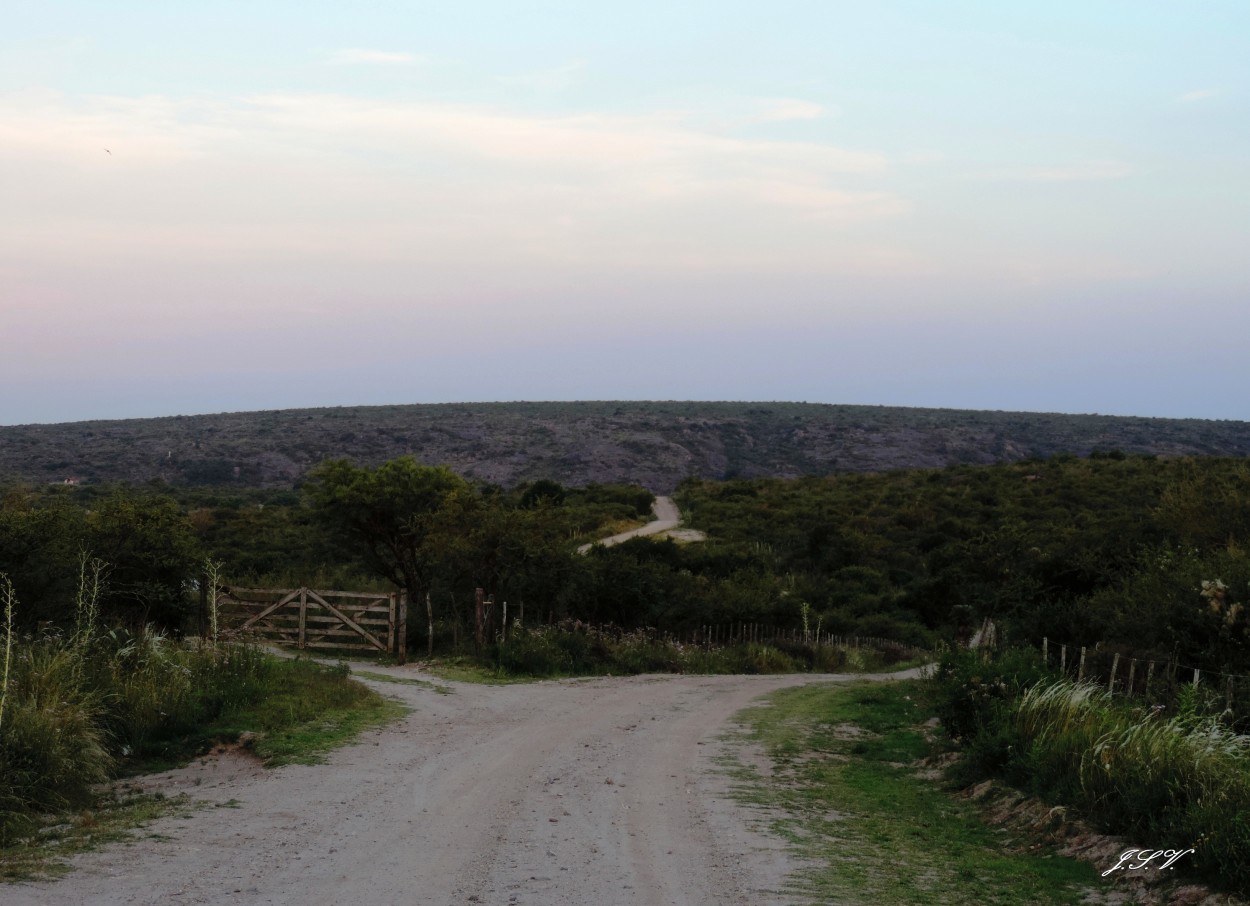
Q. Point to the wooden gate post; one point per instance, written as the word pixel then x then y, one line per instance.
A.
pixel 401 630
pixel 303 617
pixel 392 615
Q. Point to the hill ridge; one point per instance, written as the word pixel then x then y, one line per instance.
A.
pixel 653 443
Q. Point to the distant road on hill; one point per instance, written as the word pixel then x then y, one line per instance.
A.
pixel 667 518
pixel 655 444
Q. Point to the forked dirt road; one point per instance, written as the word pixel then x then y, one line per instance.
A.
pixel 599 792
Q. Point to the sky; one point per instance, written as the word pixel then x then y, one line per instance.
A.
pixel 981 205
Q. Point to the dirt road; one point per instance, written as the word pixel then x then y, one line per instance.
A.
pixel 598 792
pixel 667 518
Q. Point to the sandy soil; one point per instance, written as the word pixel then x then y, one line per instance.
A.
pixel 601 792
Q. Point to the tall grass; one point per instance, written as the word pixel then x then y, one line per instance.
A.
pixel 1181 781
pixel 1176 780
pixel 74 708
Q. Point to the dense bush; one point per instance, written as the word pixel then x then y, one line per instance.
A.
pixel 976 687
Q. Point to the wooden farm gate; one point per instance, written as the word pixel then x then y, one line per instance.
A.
pixel 307 618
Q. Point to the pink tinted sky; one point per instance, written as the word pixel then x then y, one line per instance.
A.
pixel 973 209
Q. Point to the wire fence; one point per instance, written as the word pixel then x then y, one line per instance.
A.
pixel 1142 676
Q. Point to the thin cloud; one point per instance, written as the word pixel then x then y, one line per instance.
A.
pixel 596 142
pixel 356 56
pixel 1078 171
pixel 364 179
pixel 1203 94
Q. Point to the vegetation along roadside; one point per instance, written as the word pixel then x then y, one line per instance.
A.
pixel 85 706
pixel 845 779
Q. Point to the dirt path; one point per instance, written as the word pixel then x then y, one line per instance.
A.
pixel 600 792
pixel 667 518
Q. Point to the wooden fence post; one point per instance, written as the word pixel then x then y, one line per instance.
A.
pixel 1080 673
pixel 392 614
pixel 303 617
pixel 1063 659
pixel 1115 663
pixel 1228 693
pixel 1150 674
pixel 1132 672
pixel 401 630
pixel 1045 651
pixel 1196 677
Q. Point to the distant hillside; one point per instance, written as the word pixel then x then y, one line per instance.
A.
pixel 655 444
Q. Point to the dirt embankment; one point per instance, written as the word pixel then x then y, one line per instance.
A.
pixel 599 791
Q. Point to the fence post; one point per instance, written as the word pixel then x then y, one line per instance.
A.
pixel 303 617
pixel 1080 673
pixel 1063 658
pixel 1045 651
pixel 1196 677
pixel 1132 672
pixel 1150 674
pixel 392 614
pixel 401 629
pixel 1115 663
pixel 1228 693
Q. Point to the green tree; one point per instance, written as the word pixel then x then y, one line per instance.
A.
pixel 150 551
pixel 391 513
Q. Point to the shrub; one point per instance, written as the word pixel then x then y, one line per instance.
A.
pixel 975 687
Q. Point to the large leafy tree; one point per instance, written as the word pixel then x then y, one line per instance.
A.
pixel 391 514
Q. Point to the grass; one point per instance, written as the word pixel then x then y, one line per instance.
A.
pixel 403 681
pixel 572 648
pixel 1176 773
pixel 554 654
pixel 471 670
pixel 1184 778
pixel 305 711
pixel 112 817
pixel 846 793
pixel 79 716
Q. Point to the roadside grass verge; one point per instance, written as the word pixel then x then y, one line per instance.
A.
pixel 403 681
pixel 846 792
pixel 577 649
pixel 1175 773
pixel 305 711
pixel 79 714
pixel 116 815
pixel 466 669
